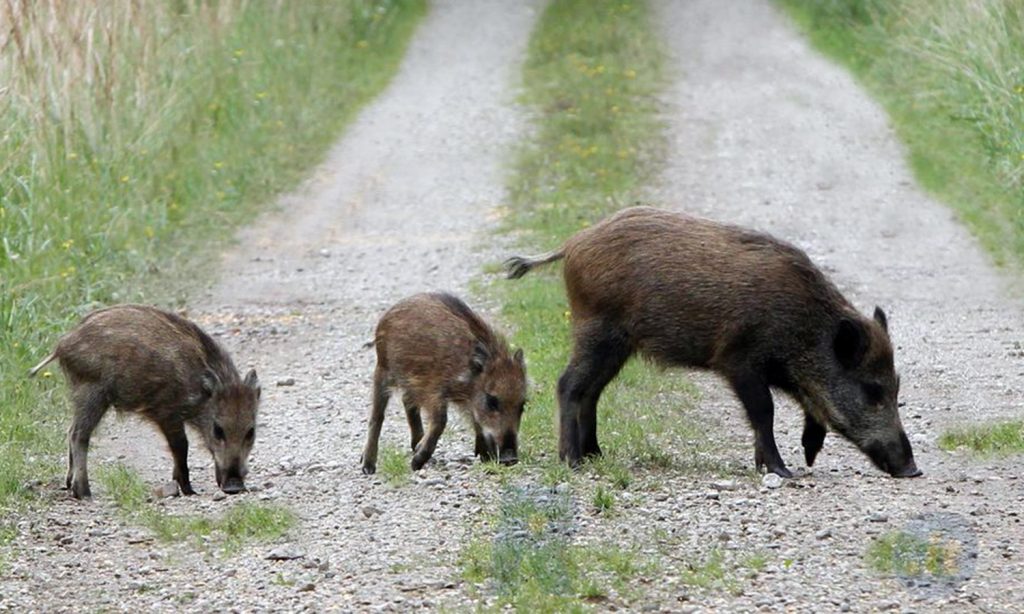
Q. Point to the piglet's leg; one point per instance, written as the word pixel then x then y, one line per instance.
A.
pixel 437 418
pixel 178 442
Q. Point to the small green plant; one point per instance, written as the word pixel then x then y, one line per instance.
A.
pixel 241 523
pixel 393 465
pixel 707 573
pixel 909 556
pixel 604 500
pixel 999 439
pixel 531 562
pixel 755 562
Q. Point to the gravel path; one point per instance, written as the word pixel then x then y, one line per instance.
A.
pixel 401 205
pixel 765 133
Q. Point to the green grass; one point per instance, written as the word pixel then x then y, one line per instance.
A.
pixel 533 565
pixel 592 73
pixel 909 556
pixel 949 74
pixel 987 440
pixel 394 466
pixel 241 523
pixel 125 164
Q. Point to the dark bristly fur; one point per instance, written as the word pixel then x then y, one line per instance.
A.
pixel 163 367
pixel 438 351
pixel 690 292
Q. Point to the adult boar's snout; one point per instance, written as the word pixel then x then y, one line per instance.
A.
pixel 233 485
pixel 909 470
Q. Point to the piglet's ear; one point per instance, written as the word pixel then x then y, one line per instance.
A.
pixel 210 382
pixel 881 319
pixel 479 358
pixel 518 357
pixel 252 381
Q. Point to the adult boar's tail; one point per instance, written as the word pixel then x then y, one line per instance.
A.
pixel 45 362
pixel 517 266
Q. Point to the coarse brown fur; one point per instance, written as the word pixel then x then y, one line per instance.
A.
pixel 163 367
pixel 438 351
pixel 690 292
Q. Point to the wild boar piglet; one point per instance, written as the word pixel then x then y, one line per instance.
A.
pixel 438 352
pixel 157 364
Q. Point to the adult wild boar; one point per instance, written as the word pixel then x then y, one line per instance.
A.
pixel 163 367
pixel 438 351
pixel 689 292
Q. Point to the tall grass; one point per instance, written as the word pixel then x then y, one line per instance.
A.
pixel 951 75
pixel 135 133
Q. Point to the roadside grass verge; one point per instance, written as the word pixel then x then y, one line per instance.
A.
pixel 241 523
pixel 950 75
pixel 986 440
pixel 136 138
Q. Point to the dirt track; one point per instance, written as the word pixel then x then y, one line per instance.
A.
pixel 401 205
pixel 763 132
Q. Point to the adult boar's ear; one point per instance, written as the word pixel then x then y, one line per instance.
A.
pixel 881 319
pixel 849 343
pixel 210 383
pixel 253 382
pixel 518 357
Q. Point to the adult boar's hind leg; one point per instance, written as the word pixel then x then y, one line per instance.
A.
pixel 90 402
pixel 756 397
pixel 599 353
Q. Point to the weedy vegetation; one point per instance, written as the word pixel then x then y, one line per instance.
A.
pixel 950 75
pixel 532 564
pixel 986 440
pixel 909 556
pixel 137 135
pixel 242 522
pixel 393 465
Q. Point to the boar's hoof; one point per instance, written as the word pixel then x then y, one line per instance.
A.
pixel 369 468
pixel 781 471
pixel 81 491
pixel 418 462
